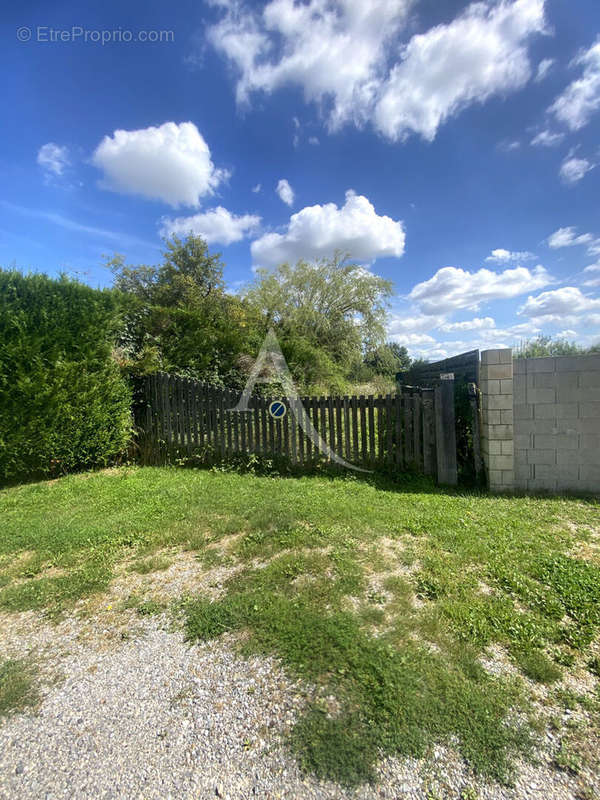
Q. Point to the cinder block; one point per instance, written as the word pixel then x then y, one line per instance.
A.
pixel 498 371
pixel 492 387
pixel 589 456
pixel 537 396
pixel 567 441
pixel 501 462
pixel 567 457
pixel 541 485
pixel 545 411
pixel 523 412
pixel 587 410
pixel 495 477
pixel 545 471
pixel 523 472
pixel 592 440
pixel 494 447
pixel 519 393
pixel 590 474
pixel 497 402
pixel 588 425
pixel 507 447
pixel 543 380
pixel 577 363
pixel 535 426
pixel 506 386
pixel 568 380
pixel 508 478
pixel 506 416
pixel 567 476
pixel 500 432
pixel 522 441
pixel 568 410
pixel 490 417
pixel 543 441
pixel 590 394
pixel 589 379
pixel 541 457
pixel 490 356
pixel 569 395
pixel 540 364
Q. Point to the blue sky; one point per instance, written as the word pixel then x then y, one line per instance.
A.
pixel 452 147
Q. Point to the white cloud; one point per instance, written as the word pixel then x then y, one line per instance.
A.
pixel 482 53
pixel 547 138
pixel 581 99
pixel 567 237
pixel 333 51
pixel 399 325
pixel 313 140
pixel 558 302
pixel 317 231
pixel 502 256
pixel 573 169
pixel 256 189
pixel 452 288
pixel 476 324
pixel 53 158
pixel 346 56
pixel 285 192
pixel 593 268
pixel 171 163
pixel 217 225
pixel 543 69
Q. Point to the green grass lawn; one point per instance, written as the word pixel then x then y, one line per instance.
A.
pixel 383 596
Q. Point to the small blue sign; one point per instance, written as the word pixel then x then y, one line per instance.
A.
pixel 277 409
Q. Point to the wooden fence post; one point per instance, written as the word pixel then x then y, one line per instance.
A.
pixel 445 433
pixel 475 422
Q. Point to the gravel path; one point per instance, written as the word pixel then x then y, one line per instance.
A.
pixel 130 710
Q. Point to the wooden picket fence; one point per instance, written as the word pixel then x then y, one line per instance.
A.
pixel 183 418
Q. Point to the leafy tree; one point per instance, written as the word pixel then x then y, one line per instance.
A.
pixel 388 359
pixel 180 319
pixel 547 346
pixel 330 306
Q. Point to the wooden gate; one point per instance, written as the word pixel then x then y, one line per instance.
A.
pixel 183 418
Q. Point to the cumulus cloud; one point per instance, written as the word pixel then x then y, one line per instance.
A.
pixel 256 189
pixel 317 231
pixel 573 169
pixel 171 163
pixel 483 52
pixel 53 158
pixel 568 237
pixel 476 324
pixel 285 192
pixel 217 225
pixel 502 256
pixel 558 302
pixel 331 50
pixel 543 69
pixel 581 99
pixel 547 138
pixel 452 288
pixel 346 56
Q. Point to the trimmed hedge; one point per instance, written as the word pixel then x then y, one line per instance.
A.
pixel 63 402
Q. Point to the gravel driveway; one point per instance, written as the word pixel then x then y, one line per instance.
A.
pixel 129 710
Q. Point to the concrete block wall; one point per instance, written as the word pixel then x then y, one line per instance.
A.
pixel 540 422
pixel 497 446
pixel 557 423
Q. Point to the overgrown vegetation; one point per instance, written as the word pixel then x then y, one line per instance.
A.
pixel 384 597
pixel 63 402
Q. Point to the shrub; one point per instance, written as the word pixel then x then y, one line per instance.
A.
pixel 63 403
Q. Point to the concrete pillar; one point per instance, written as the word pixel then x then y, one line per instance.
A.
pixel 497 445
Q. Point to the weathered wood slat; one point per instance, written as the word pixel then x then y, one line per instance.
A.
pixel 371 409
pixel 416 421
pixel 445 434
